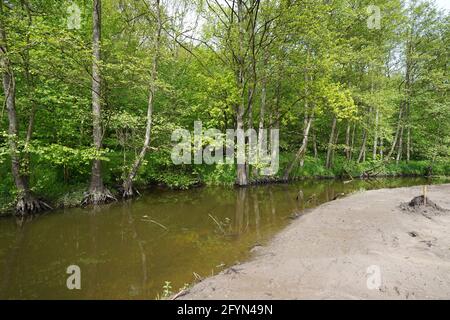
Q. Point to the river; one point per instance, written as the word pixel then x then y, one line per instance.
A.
pixel 132 250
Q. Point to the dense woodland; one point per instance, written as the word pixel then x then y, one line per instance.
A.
pixel 93 89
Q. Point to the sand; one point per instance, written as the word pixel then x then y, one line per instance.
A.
pixel 365 246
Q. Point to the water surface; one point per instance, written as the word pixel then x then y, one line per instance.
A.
pixel 128 250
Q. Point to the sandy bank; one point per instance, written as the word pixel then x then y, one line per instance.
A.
pixel 336 251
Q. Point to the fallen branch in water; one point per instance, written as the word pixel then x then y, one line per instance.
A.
pixel 217 222
pixel 198 277
pixel 372 173
pixel 349 175
pixel 155 222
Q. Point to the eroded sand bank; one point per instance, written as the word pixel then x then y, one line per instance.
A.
pixel 336 251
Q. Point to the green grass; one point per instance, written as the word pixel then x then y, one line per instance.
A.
pixel 342 168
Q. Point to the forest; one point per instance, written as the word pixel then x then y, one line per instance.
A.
pixel 92 91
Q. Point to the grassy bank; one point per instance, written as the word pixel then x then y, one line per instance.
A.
pixel 63 189
pixel 346 169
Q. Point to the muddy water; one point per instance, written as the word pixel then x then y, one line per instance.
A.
pixel 129 250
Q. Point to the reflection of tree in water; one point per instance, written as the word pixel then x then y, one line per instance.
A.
pixel 241 202
pixel 243 210
pixel 266 205
pixel 127 209
pixel 257 214
pixel 193 197
pixel 10 262
pixel 251 206
pixel 93 231
pixel 273 210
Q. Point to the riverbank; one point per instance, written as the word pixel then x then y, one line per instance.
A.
pixel 63 195
pixel 337 250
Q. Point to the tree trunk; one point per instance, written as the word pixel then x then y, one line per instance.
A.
pixel 400 145
pixel 408 82
pixel 362 152
pixel 381 139
pixel 300 156
pixel 335 143
pixel 347 141
pixel 277 104
pixel 242 176
pixel 128 190
pixel 397 133
pixel 306 124
pixel 27 204
pixel 316 151
pixel 331 143
pixel 262 113
pixel 375 138
pixel 301 152
pixel 97 194
pixel 407 125
pixel 352 148
pixel 29 79
pixel 408 145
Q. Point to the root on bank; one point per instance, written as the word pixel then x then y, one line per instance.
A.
pixel 29 205
pixel 98 198
pixel 129 192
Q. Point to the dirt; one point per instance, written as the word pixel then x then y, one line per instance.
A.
pixel 424 206
pixel 366 246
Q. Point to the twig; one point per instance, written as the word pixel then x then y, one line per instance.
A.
pixel 155 222
pixel 217 222
pixel 425 191
pixel 197 277
pixel 180 294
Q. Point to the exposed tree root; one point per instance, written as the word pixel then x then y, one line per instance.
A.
pixel 98 198
pixel 130 192
pixel 29 205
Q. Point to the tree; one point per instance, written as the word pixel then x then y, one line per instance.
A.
pixel 27 203
pixel 340 91
pixel 128 190
pixel 97 193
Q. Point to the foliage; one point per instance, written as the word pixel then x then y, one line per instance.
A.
pixel 386 88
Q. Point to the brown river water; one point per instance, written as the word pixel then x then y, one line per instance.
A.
pixel 129 250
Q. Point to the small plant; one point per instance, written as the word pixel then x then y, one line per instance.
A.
pixel 167 290
pixel 185 287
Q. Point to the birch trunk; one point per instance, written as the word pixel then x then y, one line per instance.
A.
pixel 331 143
pixel 128 189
